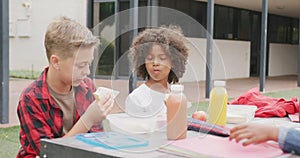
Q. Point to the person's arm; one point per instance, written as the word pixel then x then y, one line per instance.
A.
pixel 95 113
pixel 289 140
pixel 254 133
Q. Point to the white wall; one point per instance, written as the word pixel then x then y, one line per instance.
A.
pixel 231 59
pixel 28 52
pixel 283 59
pixel 236 57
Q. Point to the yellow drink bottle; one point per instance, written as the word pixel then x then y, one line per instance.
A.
pixel 218 104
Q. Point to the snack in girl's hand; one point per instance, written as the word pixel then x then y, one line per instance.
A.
pixel 102 91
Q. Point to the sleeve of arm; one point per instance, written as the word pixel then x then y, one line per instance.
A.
pixel 289 140
pixel 33 124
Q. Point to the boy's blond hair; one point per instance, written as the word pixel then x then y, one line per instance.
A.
pixel 64 36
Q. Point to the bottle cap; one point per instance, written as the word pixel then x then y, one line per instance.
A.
pixel 220 83
pixel 177 87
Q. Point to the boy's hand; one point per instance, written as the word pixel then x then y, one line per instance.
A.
pixel 97 111
pixel 254 133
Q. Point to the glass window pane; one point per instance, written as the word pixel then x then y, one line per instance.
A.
pixel 243 32
pixel 295 34
pixel 223 22
pixel 124 39
pixel 106 32
pixel 279 29
pixel 194 9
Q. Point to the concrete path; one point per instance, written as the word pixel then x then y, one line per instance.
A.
pixel 195 91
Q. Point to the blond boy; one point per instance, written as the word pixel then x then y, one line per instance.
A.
pixel 60 102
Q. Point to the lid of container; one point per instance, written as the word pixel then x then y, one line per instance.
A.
pixel 220 83
pixel 177 87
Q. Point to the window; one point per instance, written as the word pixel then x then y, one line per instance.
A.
pixel 232 23
pixel 243 25
pixel 196 11
pixel 125 38
pixel 108 38
pixel 223 22
pixel 295 31
pixel 106 60
pixel 281 29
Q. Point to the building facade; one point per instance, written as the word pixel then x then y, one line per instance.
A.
pixel 236 34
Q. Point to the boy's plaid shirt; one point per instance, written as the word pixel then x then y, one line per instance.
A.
pixel 40 116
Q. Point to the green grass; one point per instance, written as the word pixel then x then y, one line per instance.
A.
pixel 25 74
pixel 285 94
pixel 9 141
pixel 9 137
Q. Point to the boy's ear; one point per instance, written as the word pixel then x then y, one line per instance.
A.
pixel 54 61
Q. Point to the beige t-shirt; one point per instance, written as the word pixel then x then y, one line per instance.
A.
pixel 66 102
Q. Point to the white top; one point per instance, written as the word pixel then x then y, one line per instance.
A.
pixel 177 88
pixel 145 102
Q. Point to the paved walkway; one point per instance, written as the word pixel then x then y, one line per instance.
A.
pixel 195 91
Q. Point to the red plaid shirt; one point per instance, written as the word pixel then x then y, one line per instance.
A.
pixel 40 116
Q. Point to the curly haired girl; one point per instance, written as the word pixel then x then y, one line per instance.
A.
pixel 159 56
